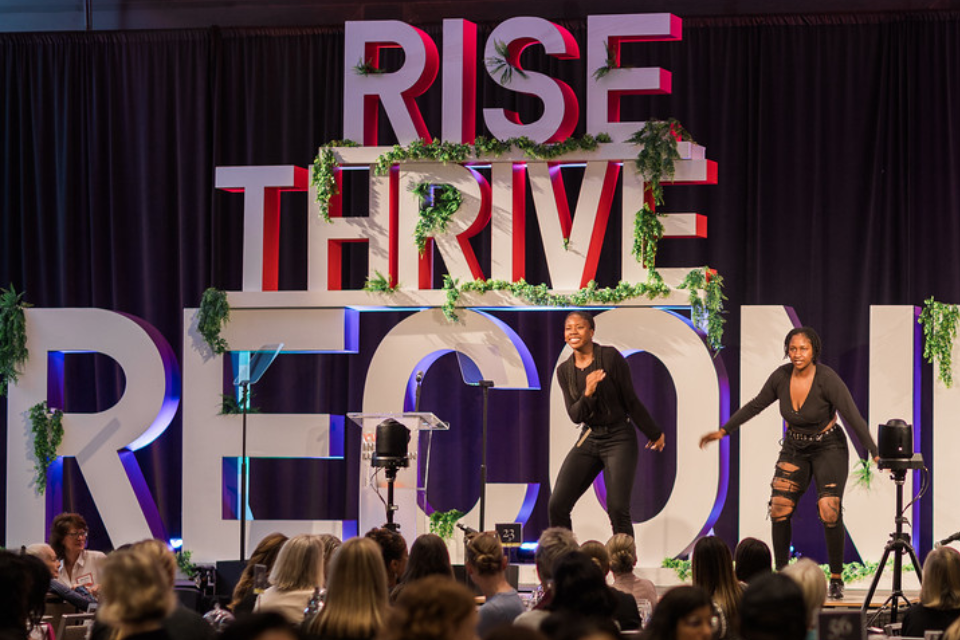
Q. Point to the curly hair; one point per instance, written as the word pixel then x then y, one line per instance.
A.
pixel 432 608
pixel 61 527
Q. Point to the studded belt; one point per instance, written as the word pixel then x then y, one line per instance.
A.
pixel 814 437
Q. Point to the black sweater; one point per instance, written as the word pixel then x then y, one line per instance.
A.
pixel 614 399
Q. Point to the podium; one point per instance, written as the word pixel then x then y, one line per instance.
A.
pixel 406 489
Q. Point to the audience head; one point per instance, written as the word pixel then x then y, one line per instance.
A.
pixel 554 542
pixel 773 609
pixel 38 577
pixel 330 544
pixel 299 564
pixel 356 602
pixel 265 554
pixel 941 579
pixel 269 625
pixel 514 632
pixel 622 550
pixel 485 554
pixel 134 590
pixel 953 631
pixel 712 569
pixel 569 626
pixel 393 549
pixel 579 587
pixel 47 555
pixel 751 559
pixel 813 583
pixel 428 556
pixel 160 553
pixel 597 552
pixel 68 533
pixel 433 608
pixel 15 586
pixel 683 613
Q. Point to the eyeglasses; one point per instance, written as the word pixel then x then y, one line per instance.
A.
pixel 78 534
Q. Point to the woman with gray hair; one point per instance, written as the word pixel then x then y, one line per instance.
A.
pixel 297 574
pixel 813 583
pixel 136 596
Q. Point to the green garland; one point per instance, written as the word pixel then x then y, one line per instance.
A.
pixel 657 158
pixel 680 566
pixel 707 313
pixel 185 563
pixel 47 427
pixel 609 64
pixel 647 231
pixel 323 175
pixel 438 203
pixel 939 322
pixel 366 68
pixel 499 64
pixel 379 283
pixel 442 522
pixel 214 313
pixel 13 337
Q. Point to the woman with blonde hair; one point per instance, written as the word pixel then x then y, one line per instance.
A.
pixel 813 583
pixel 356 603
pixel 939 602
pixel 622 550
pixel 487 565
pixel 265 554
pixel 136 595
pixel 297 574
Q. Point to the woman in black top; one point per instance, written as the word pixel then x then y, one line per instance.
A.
pixel 813 447
pixel 599 396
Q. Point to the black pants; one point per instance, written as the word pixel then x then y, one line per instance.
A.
pixel 612 450
pixel 826 463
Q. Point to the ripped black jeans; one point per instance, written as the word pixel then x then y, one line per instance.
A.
pixel 826 462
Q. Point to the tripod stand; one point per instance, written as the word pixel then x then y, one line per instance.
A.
pixel 899 544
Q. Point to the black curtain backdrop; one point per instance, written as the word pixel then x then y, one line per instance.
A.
pixel 836 138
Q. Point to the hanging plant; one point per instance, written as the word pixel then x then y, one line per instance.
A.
pixel 366 68
pixel 658 156
pixel 680 566
pixel 323 175
pixel 229 405
pixel 647 231
pixel 47 428
pixel 13 337
pixel 939 322
pixel 214 313
pixel 379 283
pixel 863 474
pixel 442 522
pixel 706 312
pixel 499 64
pixel 185 563
pixel 609 65
pixel 438 203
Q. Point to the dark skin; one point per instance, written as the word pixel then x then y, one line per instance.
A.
pixel 578 335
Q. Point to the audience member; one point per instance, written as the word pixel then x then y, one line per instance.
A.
pixel 513 632
pixel 136 596
pixel 813 583
pixel 432 608
pixel 623 558
pixel 953 631
pixel 20 612
pixel 579 591
pixel 79 566
pixel 486 565
pixel 712 570
pixel 939 602
pixel 627 613
pixel 564 626
pixel 265 554
pixel 683 613
pixel 330 544
pixel 356 602
pixel 80 598
pixel 296 576
pixel 752 559
pixel 554 542
pixel 393 548
pixel 772 608
pixel 260 626
pixel 38 579
pixel 428 557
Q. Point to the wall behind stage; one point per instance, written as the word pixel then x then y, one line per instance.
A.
pixel 836 139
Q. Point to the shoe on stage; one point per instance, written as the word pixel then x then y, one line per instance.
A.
pixel 836 590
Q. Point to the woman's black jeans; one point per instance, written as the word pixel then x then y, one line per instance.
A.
pixel 612 450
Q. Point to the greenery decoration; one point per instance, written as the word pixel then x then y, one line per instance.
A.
pixel 47 427
pixel 679 565
pixel 229 405
pixel 863 474
pixel 707 312
pixel 13 336
pixel 856 571
pixel 365 68
pixel 536 150
pixel 214 313
pixel 185 563
pixel 658 155
pixel 442 522
pixel 437 151
pixel 647 231
pixel 438 203
pixel 323 176
pixel 609 65
pixel 499 64
pixel 939 322
pixel 379 283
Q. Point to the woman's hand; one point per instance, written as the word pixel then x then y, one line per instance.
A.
pixel 707 438
pixel 658 444
pixel 593 378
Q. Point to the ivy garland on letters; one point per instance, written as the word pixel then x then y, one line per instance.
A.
pixel 609 64
pixel 438 203
pixel 47 427
pixel 939 322
pixel 366 68
pixel 214 313
pixel 647 231
pixel 499 64
pixel 13 336
pixel 323 176
pixel 379 283
pixel 658 156
pixel 707 312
